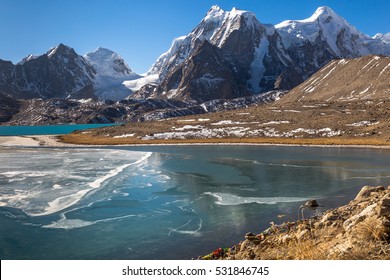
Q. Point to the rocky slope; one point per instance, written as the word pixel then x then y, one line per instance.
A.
pixel 60 73
pixel 55 111
pixel 359 230
pixel 8 107
pixel 231 54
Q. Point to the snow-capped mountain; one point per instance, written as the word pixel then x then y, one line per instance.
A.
pixel 108 63
pixel 241 56
pixel 62 73
pixel 330 35
pixel 223 57
pixel 111 72
pixel 383 37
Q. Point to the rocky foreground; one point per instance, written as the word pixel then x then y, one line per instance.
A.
pixel 359 231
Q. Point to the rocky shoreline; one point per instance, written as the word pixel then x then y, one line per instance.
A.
pixel 359 230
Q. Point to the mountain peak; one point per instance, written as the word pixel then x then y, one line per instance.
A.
pixel 108 63
pixel 324 11
pixel 27 58
pixel 60 49
pixel 102 51
pixel 382 37
pixel 215 9
pixel 215 13
pixel 326 15
pixel 234 12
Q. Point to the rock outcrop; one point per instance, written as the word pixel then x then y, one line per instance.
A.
pixel 359 230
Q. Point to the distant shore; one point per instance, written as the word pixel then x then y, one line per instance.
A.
pixel 32 141
pixel 55 141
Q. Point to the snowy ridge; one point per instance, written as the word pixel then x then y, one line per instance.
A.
pixel 383 37
pixel 343 38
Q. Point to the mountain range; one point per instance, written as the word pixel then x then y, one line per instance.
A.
pixel 62 73
pixel 228 55
pixel 231 54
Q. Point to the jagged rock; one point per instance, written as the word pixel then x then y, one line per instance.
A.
pixel 367 212
pixel 384 206
pixel 367 190
pixel 330 216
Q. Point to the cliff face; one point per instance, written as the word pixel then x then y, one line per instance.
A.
pixel 359 230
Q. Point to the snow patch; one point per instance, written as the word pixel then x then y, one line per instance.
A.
pixel 124 135
pixel 257 68
pixel 135 85
pixel 363 123
pixel 187 127
pixel 275 122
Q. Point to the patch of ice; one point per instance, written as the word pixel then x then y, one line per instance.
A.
pixel 228 199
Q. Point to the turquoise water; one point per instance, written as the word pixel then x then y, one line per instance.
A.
pixel 171 202
pixel 46 129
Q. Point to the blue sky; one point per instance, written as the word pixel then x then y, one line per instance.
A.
pixel 141 30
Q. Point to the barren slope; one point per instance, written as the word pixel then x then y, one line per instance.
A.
pixel 346 80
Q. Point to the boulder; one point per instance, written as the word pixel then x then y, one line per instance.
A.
pixel 330 216
pixel 250 235
pixel 312 203
pixel 383 208
pixel 369 211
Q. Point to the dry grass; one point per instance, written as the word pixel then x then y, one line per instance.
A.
pixel 326 244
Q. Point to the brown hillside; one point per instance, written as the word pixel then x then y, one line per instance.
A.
pixel 344 103
pixel 346 80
